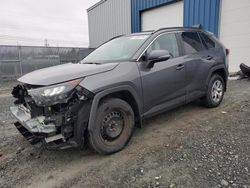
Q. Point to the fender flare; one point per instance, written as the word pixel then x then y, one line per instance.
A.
pixel 102 94
pixel 213 69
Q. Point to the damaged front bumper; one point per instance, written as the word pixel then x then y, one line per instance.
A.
pixel 58 126
pixel 33 125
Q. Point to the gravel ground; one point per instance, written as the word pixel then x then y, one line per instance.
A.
pixel 188 147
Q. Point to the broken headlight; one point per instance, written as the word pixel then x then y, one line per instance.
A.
pixel 55 94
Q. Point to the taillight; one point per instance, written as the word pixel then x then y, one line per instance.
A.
pixel 227 51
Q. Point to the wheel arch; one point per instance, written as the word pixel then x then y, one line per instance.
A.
pixel 126 93
pixel 222 71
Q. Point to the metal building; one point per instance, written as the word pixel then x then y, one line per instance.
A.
pixel 108 18
pixel 227 19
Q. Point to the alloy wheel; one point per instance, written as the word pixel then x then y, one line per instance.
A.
pixel 217 91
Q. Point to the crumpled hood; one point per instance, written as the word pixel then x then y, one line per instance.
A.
pixel 63 73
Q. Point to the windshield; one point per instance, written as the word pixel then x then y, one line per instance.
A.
pixel 119 49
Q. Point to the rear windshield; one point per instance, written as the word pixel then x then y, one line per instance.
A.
pixel 119 49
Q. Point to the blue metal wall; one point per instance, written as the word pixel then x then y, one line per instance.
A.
pixel 204 12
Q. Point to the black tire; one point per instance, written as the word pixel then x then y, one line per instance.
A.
pixel 113 126
pixel 210 100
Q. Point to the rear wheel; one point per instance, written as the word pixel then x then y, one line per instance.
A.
pixel 113 126
pixel 215 91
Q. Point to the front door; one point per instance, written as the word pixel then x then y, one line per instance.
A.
pixel 164 84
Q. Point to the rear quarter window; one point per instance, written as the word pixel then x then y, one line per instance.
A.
pixel 207 41
pixel 191 42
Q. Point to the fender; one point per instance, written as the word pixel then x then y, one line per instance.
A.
pixel 102 94
pixel 215 68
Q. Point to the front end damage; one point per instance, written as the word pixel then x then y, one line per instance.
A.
pixel 55 116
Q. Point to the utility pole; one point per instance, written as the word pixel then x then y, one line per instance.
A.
pixel 46 43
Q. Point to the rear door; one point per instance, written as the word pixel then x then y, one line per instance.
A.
pixel 215 49
pixel 198 60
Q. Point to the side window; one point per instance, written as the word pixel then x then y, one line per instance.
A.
pixel 209 43
pixel 191 42
pixel 165 42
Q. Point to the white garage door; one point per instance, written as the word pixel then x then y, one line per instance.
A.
pixel 235 31
pixel 166 16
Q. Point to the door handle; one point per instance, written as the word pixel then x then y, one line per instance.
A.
pixel 180 67
pixel 209 58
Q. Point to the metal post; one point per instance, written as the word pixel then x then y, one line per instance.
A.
pixel 20 60
pixel 58 54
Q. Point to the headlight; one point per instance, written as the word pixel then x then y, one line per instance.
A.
pixel 53 91
pixel 60 93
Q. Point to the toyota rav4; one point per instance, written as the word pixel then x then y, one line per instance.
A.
pixel 101 99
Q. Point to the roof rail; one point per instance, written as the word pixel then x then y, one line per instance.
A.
pixel 166 28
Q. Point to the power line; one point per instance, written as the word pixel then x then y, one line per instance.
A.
pixel 41 42
pixel 26 43
pixel 32 39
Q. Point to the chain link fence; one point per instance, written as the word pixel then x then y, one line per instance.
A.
pixel 16 61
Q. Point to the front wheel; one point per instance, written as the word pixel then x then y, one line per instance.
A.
pixel 113 126
pixel 215 92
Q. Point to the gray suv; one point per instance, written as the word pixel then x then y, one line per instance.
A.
pixel 101 99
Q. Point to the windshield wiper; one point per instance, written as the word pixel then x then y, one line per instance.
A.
pixel 91 63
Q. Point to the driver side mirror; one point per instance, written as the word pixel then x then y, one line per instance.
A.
pixel 157 56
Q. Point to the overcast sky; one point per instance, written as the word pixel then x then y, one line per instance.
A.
pixel 30 22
